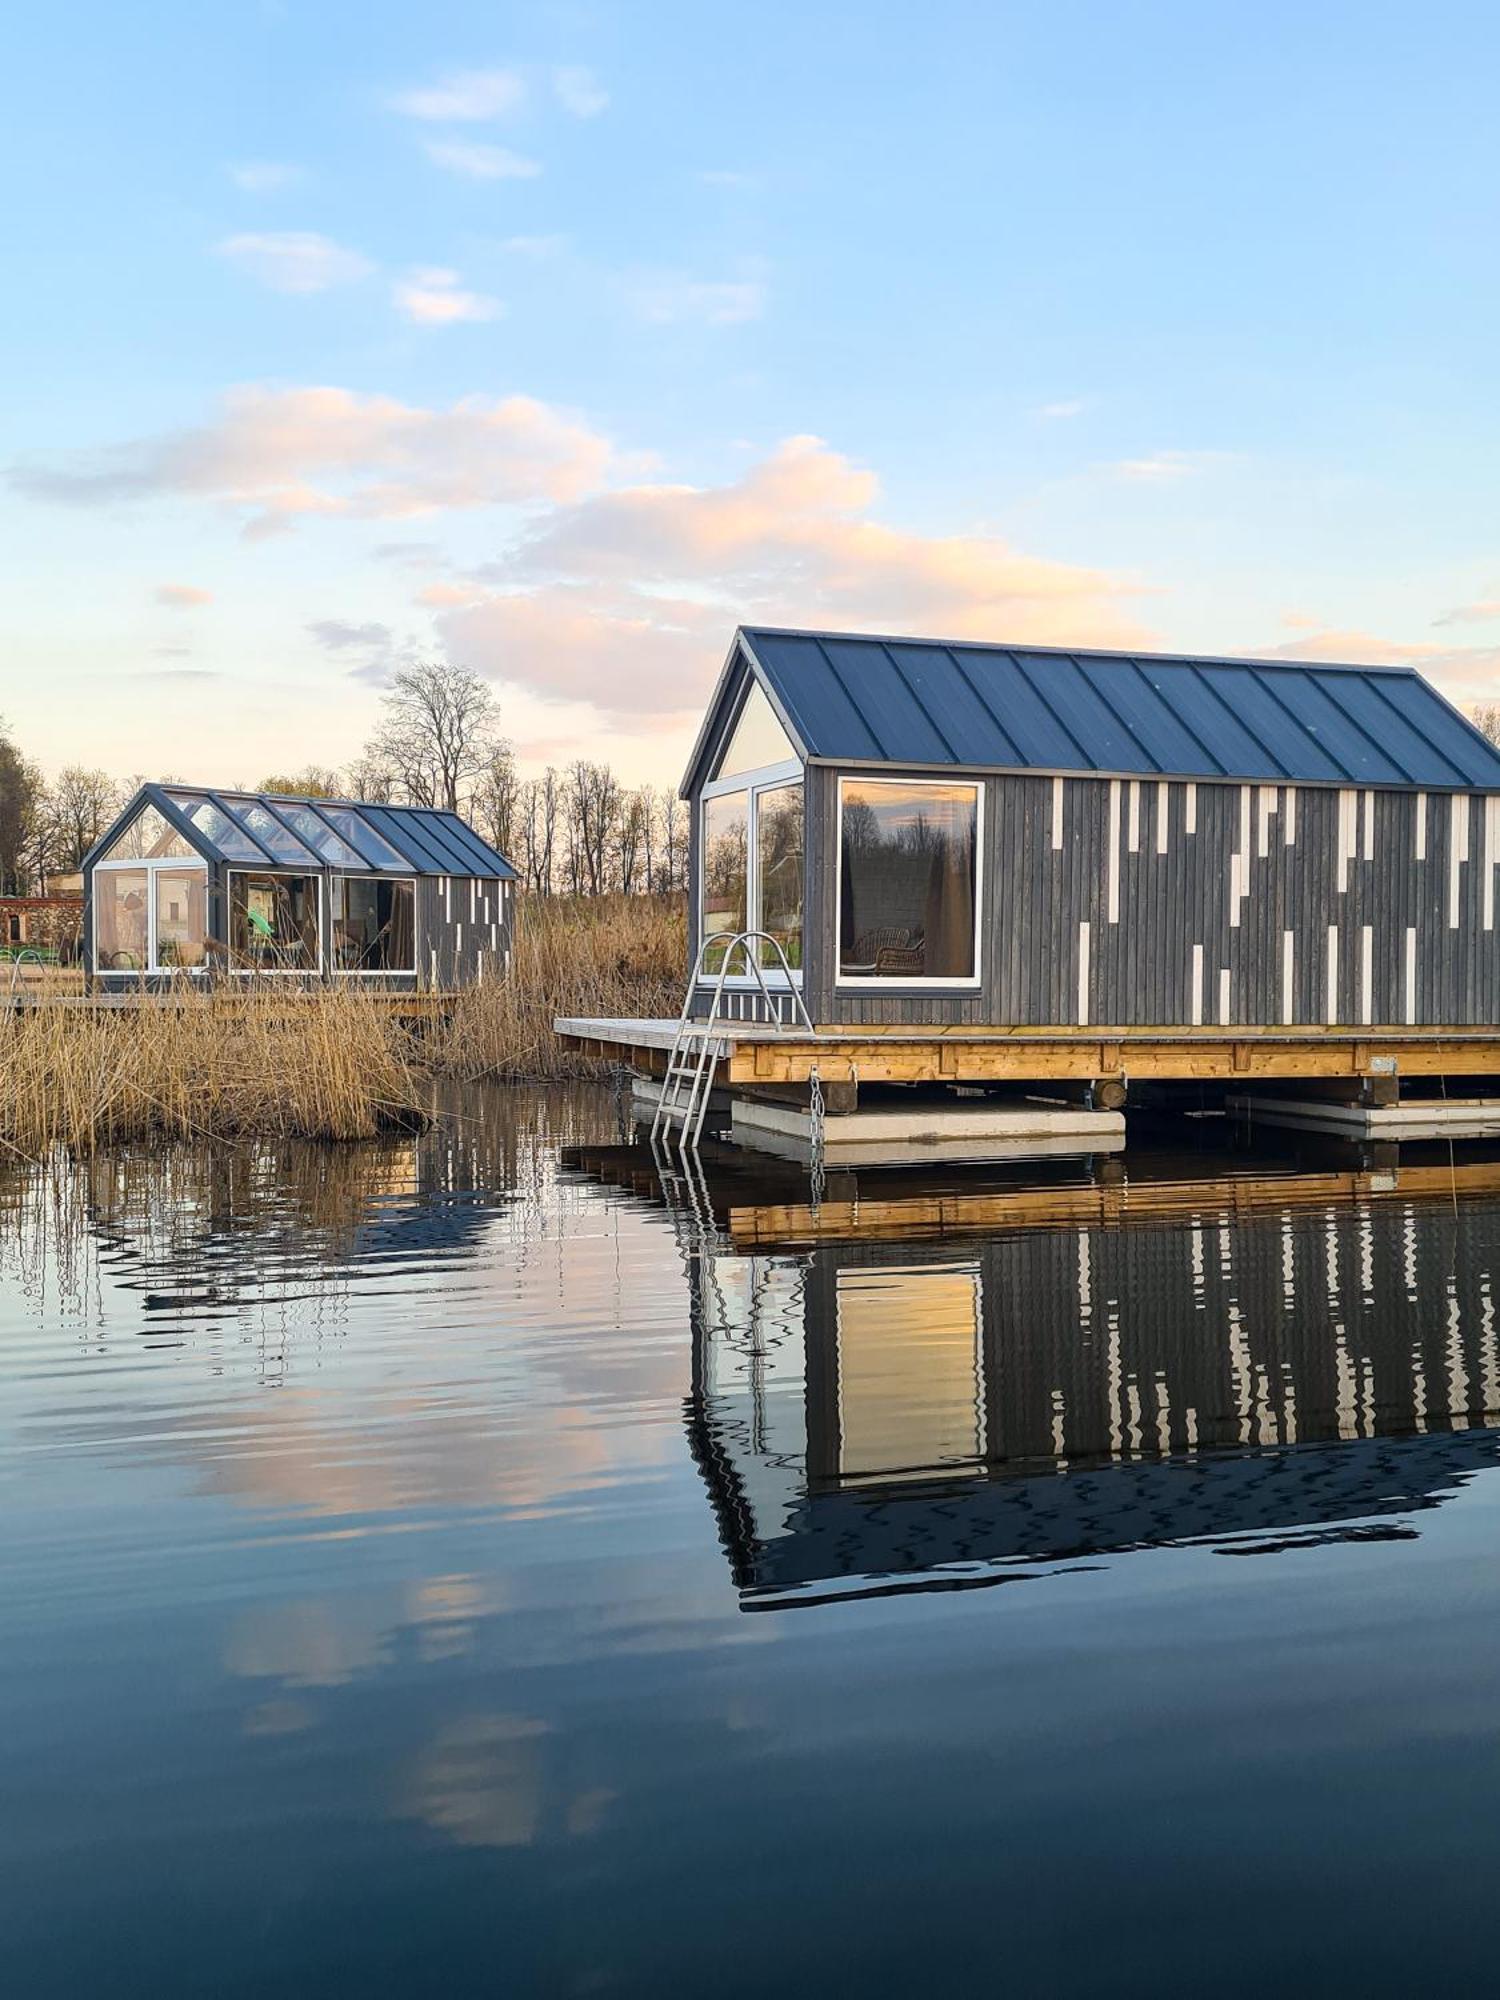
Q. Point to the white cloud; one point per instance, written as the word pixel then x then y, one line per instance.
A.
pixel 279 455
pixel 295 260
pixel 466 97
pixel 264 176
pixel 626 598
pixel 727 177
pixel 1059 412
pixel 480 163
pixel 182 596
pixel 668 298
pixel 539 248
pixel 1481 612
pixel 579 91
pixel 434 297
pixel 1160 468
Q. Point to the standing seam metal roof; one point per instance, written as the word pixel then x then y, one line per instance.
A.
pixel 855 699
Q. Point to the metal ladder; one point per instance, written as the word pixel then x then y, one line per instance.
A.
pixel 697 1045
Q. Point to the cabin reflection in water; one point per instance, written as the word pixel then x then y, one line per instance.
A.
pixel 874 1416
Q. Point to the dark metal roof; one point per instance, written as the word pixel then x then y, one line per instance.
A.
pixel 278 830
pixel 848 698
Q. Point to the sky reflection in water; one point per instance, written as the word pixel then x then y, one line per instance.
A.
pixel 438 1567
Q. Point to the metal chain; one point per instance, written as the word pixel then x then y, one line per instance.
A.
pixel 816 1136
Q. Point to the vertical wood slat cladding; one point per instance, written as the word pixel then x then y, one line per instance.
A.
pixel 1267 877
pixel 464 929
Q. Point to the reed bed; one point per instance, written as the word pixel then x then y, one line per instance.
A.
pixel 265 1059
pixel 603 955
pixel 254 1060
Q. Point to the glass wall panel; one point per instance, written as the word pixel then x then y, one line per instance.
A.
pixel 757 739
pixel 908 880
pixel 273 922
pixel 726 855
pixel 149 836
pixel 373 925
pixel 779 872
pixel 181 916
pixel 121 919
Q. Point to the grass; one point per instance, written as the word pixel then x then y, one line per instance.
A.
pixel 262 1061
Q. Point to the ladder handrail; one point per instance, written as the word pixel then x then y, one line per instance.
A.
pixel 699 1076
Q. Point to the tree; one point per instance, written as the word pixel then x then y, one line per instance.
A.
pixel 438 733
pixel 592 795
pixel 20 789
pixel 314 781
pixel 495 804
pixel 77 807
pixel 1487 721
pixel 536 831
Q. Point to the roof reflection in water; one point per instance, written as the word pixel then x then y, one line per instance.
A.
pixel 937 1391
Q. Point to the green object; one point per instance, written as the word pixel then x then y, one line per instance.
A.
pixel 258 923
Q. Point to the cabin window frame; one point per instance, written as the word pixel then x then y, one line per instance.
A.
pixel 766 778
pixel 315 971
pixel 371 971
pixel 892 982
pixel 150 867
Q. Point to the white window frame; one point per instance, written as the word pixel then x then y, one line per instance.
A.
pixel 150 867
pixel 766 778
pixel 275 971
pixel 370 971
pixel 912 982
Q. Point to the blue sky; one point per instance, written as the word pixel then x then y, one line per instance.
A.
pixel 556 339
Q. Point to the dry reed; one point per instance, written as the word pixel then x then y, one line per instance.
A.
pixel 602 956
pixel 264 1059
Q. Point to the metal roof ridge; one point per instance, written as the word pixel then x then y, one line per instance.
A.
pixel 1200 659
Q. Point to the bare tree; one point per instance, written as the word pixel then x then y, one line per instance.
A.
pixel 675 827
pixel 1487 721
pixel 437 733
pixel 77 807
pixel 593 806
pixel 496 799
pixel 536 824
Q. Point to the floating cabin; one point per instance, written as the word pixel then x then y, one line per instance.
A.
pixel 190 881
pixel 994 864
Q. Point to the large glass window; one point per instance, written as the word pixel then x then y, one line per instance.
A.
pixel 149 835
pixel 910 1373
pixel 273 922
pixel 779 871
pixel 908 880
pixel 122 918
pixel 757 739
pixel 726 871
pixel 373 929
pixel 181 916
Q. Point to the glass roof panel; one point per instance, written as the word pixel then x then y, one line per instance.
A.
pixel 319 835
pixel 358 830
pixel 217 828
pixel 270 832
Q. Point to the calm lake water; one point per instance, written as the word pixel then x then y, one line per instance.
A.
pixel 448 1567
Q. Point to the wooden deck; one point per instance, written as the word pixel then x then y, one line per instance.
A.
pixel 754 1053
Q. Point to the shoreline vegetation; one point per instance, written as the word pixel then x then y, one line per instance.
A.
pixel 257 1061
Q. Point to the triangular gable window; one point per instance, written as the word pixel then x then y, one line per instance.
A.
pixel 150 836
pixel 757 739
